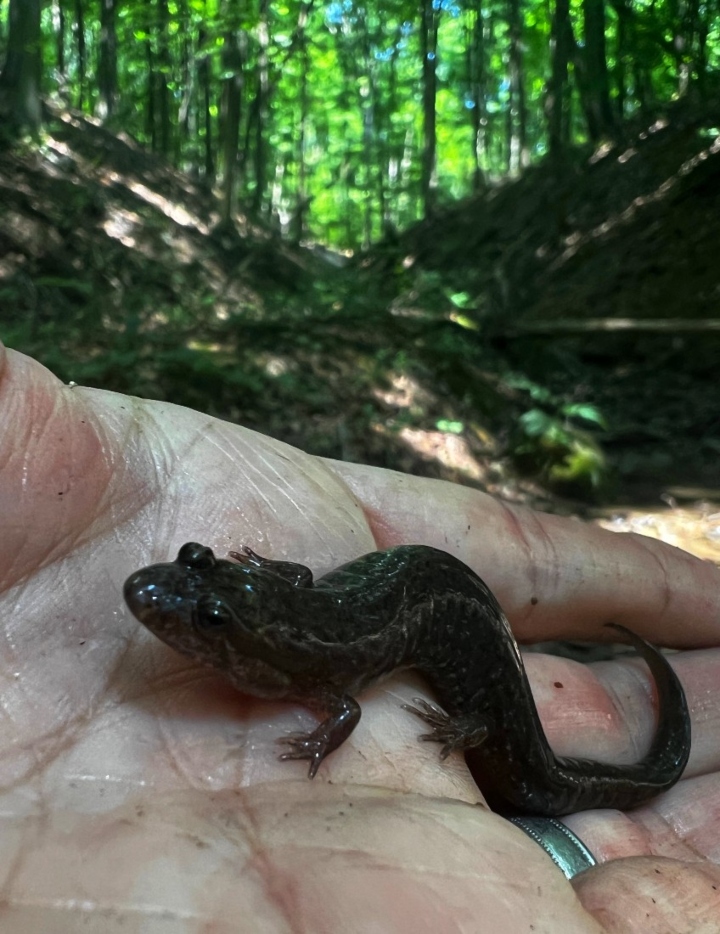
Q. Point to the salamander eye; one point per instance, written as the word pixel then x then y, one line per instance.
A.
pixel 196 556
pixel 211 615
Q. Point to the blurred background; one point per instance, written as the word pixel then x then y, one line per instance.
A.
pixel 474 241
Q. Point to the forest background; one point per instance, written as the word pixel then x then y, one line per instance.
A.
pixel 473 240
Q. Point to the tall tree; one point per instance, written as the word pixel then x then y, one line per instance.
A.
pixel 701 58
pixel 517 110
pixel 685 44
pixel 107 60
pixel 557 99
pixel 79 33
pixel 261 107
pixel 477 92
pixel 233 61
pixel 624 13
pixel 150 110
pixel 374 154
pixel 392 166
pixel 598 110
pixel 187 122
pixel 205 83
pixel 20 78
pixel 58 19
pixel 322 116
pixel 429 21
pixel 164 71
pixel 299 218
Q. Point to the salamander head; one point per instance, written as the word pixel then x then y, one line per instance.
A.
pixel 213 611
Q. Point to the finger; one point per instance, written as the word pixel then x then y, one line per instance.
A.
pixel 82 465
pixel 554 577
pixel 53 475
pixel 648 894
pixel 607 711
pixel 683 823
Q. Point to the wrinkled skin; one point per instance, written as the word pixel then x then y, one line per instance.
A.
pixel 141 792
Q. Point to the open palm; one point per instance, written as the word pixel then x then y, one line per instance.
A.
pixel 141 792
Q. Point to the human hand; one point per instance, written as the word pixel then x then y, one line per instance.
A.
pixel 139 789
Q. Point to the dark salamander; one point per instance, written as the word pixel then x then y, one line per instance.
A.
pixel 276 633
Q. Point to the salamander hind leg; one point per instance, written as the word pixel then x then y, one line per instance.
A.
pixel 463 732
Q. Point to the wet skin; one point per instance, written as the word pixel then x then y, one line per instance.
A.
pixel 274 632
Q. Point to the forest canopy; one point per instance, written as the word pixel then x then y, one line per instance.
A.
pixel 343 121
pixel 448 238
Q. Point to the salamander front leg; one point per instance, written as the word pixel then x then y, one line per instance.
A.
pixel 296 574
pixel 331 733
pixel 454 732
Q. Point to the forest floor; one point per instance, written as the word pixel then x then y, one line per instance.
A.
pixel 554 340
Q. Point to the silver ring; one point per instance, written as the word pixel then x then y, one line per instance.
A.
pixel 566 850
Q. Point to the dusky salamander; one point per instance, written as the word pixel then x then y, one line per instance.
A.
pixel 274 632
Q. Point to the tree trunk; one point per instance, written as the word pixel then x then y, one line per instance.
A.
pixel 79 30
pixel 261 109
pixel 205 84
pixel 622 55
pixel 643 86
pixel 187 122
pixel 598 106
pixel 393 161
pixel 557 101
pixel 164 63
pixel 20 79
pixel 232 87
pixel 58 21
pixel 428 48
pixel 373 155
pixel 107 60
pixel 298 221
pixel 701 59
pixel 150 120
pixel 519 156
pixel 477 94
pixel 687 44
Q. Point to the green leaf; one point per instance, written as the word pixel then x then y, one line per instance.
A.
pixel 535 423
pixel 460 299
pixel 453 428
pixel 59 283
pixel 586 411
pixel 465 322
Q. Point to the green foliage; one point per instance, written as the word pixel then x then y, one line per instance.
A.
pixel 451 427
pixel 331 109
pixel 331 140
pixel 554 438
pixel 552 444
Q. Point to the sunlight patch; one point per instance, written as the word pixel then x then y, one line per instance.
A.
pixel 121 225
pixel 405 393
pixel 450 450
pixel 175 212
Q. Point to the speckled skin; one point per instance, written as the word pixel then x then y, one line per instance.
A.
pixel 274 632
